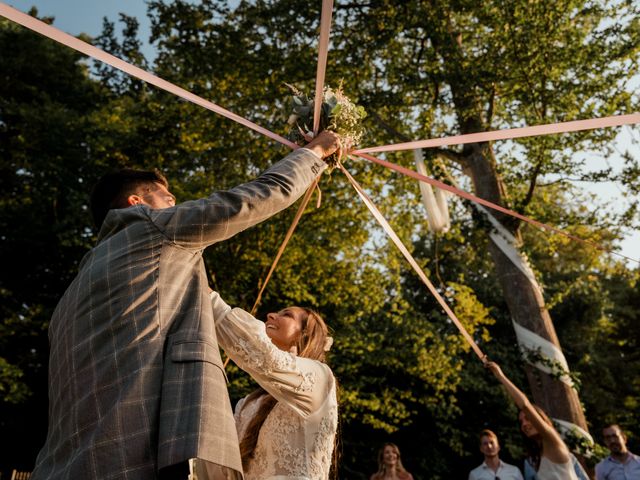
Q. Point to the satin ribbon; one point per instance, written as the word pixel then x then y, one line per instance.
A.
pixel 394 237
pixel 487 203
pixel 547 129
pixel 323 49
pixel 434 199
pixel 572 428
pixel 83 47
pixel 528 340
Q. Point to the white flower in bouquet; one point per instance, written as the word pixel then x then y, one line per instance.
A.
pixel 338 114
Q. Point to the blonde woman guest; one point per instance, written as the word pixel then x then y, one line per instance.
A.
pixel 390 464
pixel 554 461
pixel 287 428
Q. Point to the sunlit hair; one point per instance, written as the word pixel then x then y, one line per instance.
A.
pixel 533 444
pixel 310 344
pixel 382 467
pixel 113 189
pixel 312 340
pixel 486 433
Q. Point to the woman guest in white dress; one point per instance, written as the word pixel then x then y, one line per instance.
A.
pixel 554 462
pixel 287 428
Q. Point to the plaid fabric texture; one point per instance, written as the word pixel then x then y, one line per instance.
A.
pixel 136 382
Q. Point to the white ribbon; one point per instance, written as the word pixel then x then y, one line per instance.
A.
pixel 434 199
pixel 507 243
pixel 323 47
pixel 529 340
pixel 568 427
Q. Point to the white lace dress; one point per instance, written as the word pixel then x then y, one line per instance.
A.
pixel 297 438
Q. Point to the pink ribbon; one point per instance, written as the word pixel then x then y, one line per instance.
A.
pixel 323 49
pixel 573 126
pixel 83 47
pixel 403 249
pixel 487 203
pixel 287 237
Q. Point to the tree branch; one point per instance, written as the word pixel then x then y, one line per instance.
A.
pixel 492 103
pixel 532 184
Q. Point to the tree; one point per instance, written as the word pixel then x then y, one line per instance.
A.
pixel 429 68
pixel 46 102
pixel 495 64
pixel 426 69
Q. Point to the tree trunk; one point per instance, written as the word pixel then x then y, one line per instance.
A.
pixel 524 300
pixel 522 294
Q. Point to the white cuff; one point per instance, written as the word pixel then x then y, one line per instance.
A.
pixel 220 308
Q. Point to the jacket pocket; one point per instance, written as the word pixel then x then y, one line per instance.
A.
pixel 197 351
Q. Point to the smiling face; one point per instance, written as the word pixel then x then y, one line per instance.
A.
pixel 526 426
pixel 390 456
pixel 285 327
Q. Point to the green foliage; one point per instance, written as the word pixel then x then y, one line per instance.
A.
pixel 337 114
pixel 12 389
pixel 46 165
pixel 421 69
pixel 556 368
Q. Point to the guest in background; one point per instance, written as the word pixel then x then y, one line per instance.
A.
pixel 621 464
pixel 390 464
pixel 493 467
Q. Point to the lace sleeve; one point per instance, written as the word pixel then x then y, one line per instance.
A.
pixel 299 382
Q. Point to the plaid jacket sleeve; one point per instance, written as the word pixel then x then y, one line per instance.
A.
pixel 199 223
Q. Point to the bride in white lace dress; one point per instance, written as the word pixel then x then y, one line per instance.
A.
pixel 287 428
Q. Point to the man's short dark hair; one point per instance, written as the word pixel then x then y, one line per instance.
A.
pixel 112 190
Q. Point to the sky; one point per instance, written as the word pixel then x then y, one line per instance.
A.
pixel 85 16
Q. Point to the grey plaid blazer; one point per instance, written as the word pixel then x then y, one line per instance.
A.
pixel 135 377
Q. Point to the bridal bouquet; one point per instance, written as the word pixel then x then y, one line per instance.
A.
pixel 338 114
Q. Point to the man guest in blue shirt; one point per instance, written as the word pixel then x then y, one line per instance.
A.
pixel 621 464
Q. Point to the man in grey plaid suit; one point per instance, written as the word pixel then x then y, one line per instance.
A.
pixel 136 383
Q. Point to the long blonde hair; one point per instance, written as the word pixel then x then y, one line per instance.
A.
pixel 382 467
pixel 310 344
